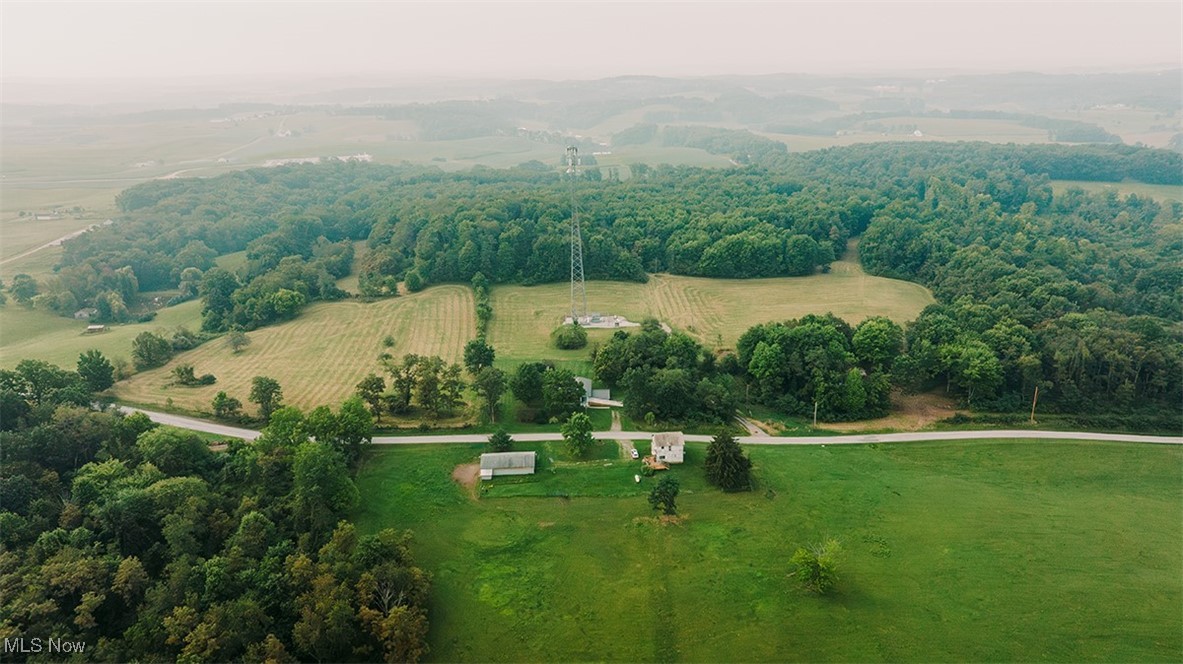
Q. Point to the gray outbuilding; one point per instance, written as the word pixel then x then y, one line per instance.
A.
pixel 494 464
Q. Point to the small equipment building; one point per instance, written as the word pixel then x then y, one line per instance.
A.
pixel 494 464
pixel 668 446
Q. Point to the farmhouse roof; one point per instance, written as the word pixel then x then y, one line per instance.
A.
pixel 502 460
pixel 669 439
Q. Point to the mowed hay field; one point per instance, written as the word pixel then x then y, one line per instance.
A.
pixel 319 357
pixel 708 309
pixel 982 551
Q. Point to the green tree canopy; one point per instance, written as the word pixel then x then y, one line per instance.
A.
pixel 577 434
pixel 96 370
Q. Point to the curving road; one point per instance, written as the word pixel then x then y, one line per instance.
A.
pixel 195 424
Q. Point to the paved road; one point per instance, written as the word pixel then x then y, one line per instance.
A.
pixel 857 439
pixel 194 424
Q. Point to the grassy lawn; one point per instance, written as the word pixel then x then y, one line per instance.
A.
pixel 711 310
pixel 320 356
pixel 33 334
pixel 1025 550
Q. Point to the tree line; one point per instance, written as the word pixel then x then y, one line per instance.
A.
pixel 143 543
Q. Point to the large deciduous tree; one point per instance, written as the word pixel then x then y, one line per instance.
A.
pixel 96 370
pixel 477 355
pixel 149 350
pixel 267 393
pixel 370 390
pixel 561 393
pixel 489 384
pixel 577 434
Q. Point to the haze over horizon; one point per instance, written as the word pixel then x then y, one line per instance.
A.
pixel 572 40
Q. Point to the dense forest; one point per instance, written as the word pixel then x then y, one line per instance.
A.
pixel 143 544
pixel 1078 294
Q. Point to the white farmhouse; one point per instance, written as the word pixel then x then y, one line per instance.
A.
pixel 668 446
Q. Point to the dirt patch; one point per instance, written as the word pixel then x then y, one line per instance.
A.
pixel 468 476
pixel 546 524
pixel 909 412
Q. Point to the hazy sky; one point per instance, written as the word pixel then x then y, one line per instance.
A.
pixel 577 39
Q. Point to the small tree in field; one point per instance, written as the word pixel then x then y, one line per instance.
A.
pixel 267 393
pixel 816 566
pixel 237 340
pixel 226 407
pixel 370 389
pixel 664 495
pixel 500 441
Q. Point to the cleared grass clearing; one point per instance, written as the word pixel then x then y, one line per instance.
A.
pixel 715 311
pixel 26 234
pixel 30 334
pixel 319 357
pixel 1159 192
pixel 990 551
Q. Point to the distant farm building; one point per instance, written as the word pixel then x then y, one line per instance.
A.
pixel 95 329
pixel 86 314
pixel 495 464
pixel 668 447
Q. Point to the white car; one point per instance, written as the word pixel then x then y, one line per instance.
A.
pixel 634 453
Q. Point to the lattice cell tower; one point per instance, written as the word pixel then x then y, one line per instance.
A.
pixel 578 288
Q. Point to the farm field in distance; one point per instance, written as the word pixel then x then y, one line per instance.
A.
pixel 319 357
pixel 989 551
pixel 1160 192
pixel 711 310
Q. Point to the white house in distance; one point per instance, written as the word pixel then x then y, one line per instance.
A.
pixel 668 446
pixel 494 464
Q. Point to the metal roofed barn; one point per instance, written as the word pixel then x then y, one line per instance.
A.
pixel 494 464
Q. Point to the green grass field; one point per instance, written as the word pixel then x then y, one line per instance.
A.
pixel 320 356
pixel 28 333
pixel 711 310
pixel 992 551
pixel 1159 192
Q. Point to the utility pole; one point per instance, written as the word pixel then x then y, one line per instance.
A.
pixel 1034 400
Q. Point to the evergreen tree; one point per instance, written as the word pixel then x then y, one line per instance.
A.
pixel 500 441
pixel 727 467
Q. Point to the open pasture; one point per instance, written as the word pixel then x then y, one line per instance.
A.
pixel 985 551
pixel 32 334
pixel 320 356
pixel 713 311
pixel 1159 192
